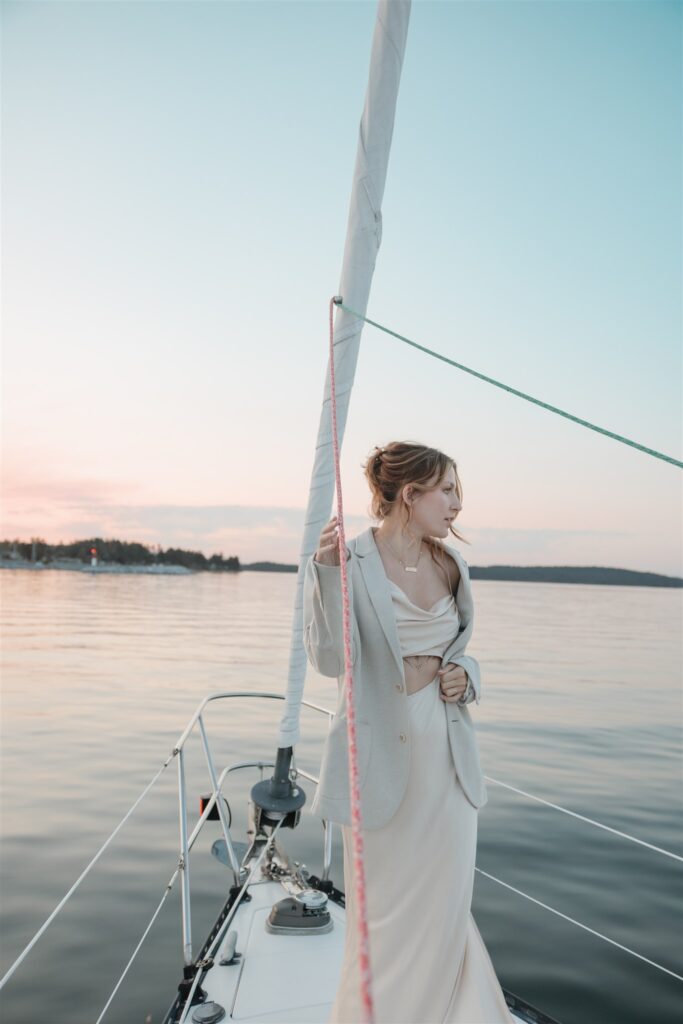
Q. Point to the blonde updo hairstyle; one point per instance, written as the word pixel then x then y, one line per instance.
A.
pixel 391 467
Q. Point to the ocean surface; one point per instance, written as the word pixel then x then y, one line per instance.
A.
pixel 582 705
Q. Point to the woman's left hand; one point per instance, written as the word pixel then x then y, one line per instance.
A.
pixel 453 682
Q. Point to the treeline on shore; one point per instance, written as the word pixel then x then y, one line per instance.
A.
pixel 595 574
pixel 115 552
pixel 131 554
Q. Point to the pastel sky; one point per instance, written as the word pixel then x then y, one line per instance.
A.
pixel 175 189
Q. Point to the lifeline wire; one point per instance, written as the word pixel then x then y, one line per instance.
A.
pixel 591 821
pixel 83 873
pixel 572 920
pixel 520 394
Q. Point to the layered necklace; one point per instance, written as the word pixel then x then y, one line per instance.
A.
pixel 408 568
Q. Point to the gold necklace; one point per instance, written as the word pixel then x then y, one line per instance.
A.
pixel 408 568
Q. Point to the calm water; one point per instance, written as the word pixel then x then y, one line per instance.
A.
pixel 581 705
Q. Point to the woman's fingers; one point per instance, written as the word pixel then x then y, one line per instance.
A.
pixel 453 692
pixel 328 545
pixel 453 682
pixel 328 532
pixel 452 674
pixel 453 698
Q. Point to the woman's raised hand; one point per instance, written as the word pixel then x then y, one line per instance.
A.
pixel 328 546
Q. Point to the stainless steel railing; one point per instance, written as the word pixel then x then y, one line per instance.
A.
pixel 216 784
pixel 187 841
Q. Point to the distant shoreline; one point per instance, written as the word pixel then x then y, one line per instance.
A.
pixel 68 566
pixel 587 574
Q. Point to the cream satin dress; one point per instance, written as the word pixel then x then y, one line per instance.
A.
pixel 429 964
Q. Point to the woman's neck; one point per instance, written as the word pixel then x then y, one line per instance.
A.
pixel 405 548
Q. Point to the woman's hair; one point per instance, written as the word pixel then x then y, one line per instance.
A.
pixel 390 467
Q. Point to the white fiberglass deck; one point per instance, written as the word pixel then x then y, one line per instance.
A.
pixel 284 978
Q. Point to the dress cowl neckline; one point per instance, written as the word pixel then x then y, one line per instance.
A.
pixel 425 611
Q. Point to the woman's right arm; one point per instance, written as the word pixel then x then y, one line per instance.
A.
pixel 323 610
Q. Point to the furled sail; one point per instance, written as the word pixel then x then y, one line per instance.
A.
pixel 363 237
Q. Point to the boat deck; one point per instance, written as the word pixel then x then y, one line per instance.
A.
pixel 284 978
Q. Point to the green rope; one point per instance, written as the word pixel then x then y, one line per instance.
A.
pixel 514 391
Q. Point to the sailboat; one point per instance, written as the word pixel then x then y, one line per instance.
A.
pixel 275 949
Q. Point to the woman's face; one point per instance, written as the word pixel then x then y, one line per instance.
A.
pixel 434 510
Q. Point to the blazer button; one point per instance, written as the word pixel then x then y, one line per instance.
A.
pixel 399 686
pixel 403 737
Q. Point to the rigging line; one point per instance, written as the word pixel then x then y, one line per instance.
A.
pixel 591 821
pixel 85 871
pixel 169 886
pixel 520 394
pixel 215 942
pixel 572 920
pixel 358 860
pixel 167 890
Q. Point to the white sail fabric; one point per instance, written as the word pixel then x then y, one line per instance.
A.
pixel 363 237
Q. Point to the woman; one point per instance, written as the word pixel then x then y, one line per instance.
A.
pixel 420 779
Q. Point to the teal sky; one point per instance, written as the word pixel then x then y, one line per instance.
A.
pixel 175 188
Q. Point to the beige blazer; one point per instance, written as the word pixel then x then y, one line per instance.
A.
pixel 380 701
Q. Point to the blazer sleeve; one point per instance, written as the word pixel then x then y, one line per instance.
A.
pixel 470 664
pixel 323 618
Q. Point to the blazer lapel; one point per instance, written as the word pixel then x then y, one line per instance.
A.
pixel 377 585
pixel 465 606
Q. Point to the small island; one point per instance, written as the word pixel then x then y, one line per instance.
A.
pixel 96 555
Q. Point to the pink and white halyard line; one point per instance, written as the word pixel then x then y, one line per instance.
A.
pixel 356 819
